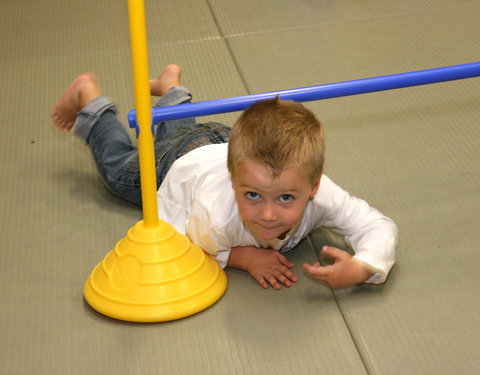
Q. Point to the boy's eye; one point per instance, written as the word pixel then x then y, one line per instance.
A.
pixel 286 198
pixel 252 195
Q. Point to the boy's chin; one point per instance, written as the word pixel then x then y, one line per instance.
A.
pixel 271 235
pixel 267 237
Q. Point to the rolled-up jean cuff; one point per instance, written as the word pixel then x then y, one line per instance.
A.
pixel 174 96
pixel 89 116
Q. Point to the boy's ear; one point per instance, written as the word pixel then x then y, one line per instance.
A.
pixel 233 183
pixel 315 187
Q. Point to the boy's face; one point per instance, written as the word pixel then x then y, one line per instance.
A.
pixel 270 206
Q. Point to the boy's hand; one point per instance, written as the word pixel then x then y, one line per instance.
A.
pixel 346 271
pixel 268 267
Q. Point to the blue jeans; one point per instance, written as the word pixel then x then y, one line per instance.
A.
pixel 115 155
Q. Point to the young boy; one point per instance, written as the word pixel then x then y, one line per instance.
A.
pixel 244 202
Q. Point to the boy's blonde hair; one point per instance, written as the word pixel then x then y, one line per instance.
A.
pixel 278 134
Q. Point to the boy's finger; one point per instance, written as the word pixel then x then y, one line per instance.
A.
pixel 319 271
pixel 334 253
pixel 274 283
pixel 261 280
pixel 310 268
pixel 291 276
pixel 285 261
pixel 284 280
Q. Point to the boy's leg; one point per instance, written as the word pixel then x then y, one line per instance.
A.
pixel 171 92
pixel 176 95
pixel 82 91
pixel 112 149
pixel 175 138
pixel 126 182
pixel 94 117
pixel 116 157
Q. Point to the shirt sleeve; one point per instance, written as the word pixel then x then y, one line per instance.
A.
pixel 372 235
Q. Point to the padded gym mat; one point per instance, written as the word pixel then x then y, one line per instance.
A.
pixel 411 153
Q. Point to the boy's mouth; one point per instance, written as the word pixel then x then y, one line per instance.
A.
pixel 270 233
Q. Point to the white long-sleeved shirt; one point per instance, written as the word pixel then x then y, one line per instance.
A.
pixel 197 198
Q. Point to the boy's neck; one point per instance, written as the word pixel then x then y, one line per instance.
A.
pixel 273 244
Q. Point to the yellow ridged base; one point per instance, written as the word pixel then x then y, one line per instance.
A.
pixel 154 274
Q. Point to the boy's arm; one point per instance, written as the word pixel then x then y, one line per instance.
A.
pixel 264 265
pixel 372 236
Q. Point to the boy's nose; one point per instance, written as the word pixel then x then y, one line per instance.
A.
pixel 268 213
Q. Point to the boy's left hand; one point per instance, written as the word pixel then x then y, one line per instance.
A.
pixel 344 272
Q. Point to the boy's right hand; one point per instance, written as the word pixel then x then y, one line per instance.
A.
pixel 268 267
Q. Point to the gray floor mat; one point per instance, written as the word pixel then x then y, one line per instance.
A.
pixel 411 153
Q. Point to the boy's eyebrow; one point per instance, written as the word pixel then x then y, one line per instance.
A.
pixel 285 191
pixel 248 187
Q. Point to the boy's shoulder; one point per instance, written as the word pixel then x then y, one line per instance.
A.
pixel 201 172
pixel 198 181
pixel 328 199
pixel 197 165
pixel 206 156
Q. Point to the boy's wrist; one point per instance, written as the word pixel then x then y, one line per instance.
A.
pixel 366 270
pixel 240 257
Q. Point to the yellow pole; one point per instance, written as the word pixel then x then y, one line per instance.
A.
pixel 138 38
pixel 154 273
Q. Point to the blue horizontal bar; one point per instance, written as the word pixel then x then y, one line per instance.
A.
pixel 310 93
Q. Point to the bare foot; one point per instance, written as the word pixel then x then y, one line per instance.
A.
pixel 168 78
pixel 81 92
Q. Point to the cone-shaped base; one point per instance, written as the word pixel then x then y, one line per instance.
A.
pixel 154 274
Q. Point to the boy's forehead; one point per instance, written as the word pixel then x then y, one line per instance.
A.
pixel 251 173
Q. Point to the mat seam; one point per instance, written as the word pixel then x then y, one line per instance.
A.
pixel 321 24
pixel 229 48
pixel 349 329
